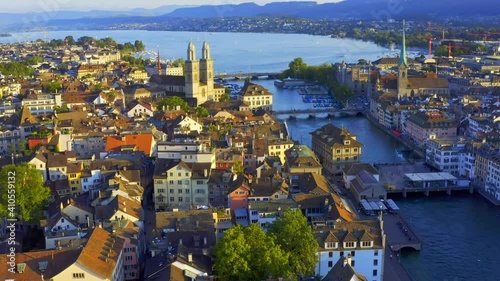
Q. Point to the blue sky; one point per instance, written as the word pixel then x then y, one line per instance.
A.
pixel 55 5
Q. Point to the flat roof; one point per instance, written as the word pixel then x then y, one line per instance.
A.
pixel 416 177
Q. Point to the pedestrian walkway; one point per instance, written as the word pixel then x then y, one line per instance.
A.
pixel 393 269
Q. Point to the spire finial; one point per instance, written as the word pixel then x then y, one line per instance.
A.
pixel 402 56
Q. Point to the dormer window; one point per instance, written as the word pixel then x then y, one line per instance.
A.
pixel 331 245
pixel 20 267
pixel 347 142
pixel 366 244
pixel 349 244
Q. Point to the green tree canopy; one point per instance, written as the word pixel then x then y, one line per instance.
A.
pixel 30 194
pixel 139 46
pixel 294 236
pixel 226 96
pixel 171 103
pixel 33 60
pixel 53 87
pixel 202 111
pixel 16 69
pixel 180 62
pixel 249 254
pixel 238 167
pixel 71 41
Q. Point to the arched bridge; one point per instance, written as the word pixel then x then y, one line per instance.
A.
pixel 318 112
pixel 253 75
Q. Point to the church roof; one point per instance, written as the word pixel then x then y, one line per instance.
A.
pixel 167 80
pixel 402 57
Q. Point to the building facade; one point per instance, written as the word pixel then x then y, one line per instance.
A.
pixel 336 148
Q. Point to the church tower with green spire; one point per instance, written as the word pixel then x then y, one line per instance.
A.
pixel 403 68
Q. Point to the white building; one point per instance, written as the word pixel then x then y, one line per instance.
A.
pixel 364 241
pixel 493 177
pixel 90 179
pixel 42 104
pixel 255 97
pixel 188 152
pixel 179 183
pixel 443 154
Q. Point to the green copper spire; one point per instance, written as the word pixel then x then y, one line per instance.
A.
pixel 402 56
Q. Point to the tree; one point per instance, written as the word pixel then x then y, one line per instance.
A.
pixel 85 40
pixel 180 62
pixel 249 254
pixel 139 46
pixel 225 96
pixel 238 167
pixel 53 87
pixel 172 102
pixel 60 109
pixel 71 41
pixel 22 185
pixel 295 237
pixel 297 68
pixel 202 111
pixel 33 60
pixel 231 255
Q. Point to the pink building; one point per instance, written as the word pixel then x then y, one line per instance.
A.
pixel 238 194
pixel 421 125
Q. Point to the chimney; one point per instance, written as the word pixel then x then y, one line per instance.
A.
pixel 61 206
pixel 345 263
pixel 205 241
pixel 190 257
pixel 205 173
pixel 349 259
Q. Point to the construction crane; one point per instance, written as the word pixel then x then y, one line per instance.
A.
pixel 485 35
pixel 453 46
pixel 430 43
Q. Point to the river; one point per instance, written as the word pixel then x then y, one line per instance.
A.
pixel 234 52
pixel 459 233
pixel 460 238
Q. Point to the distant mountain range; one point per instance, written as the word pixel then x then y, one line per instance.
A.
pixel 348 9
pixel 362 9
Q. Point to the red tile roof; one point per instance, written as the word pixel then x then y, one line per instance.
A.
pixel 142 142
pixel 101 253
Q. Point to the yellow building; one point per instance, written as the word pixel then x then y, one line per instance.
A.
pixel 74 175
pixel 335 147
pixel 278 147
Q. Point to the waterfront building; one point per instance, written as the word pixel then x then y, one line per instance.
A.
pixel 492 186
pixel 359 78
pixel 350 171
pixel 255 97
pixel 444 154
pixel 343 270
pixel 301 159
pixel 366 186
pixel 422 125
pixel 362 241
pixel 335 147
